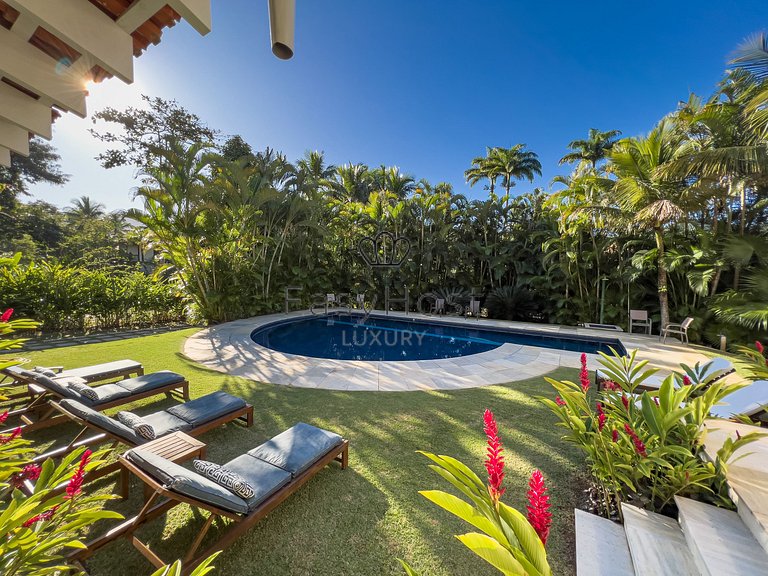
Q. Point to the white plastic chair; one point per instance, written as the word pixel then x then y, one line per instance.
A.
pixel 640 319
pixel 681 329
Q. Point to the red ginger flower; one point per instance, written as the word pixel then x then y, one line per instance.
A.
pixel 611 386
pixel 584 375
pixel 559 401
pixel 3 417
pixel 6 316
pixel 76 482
pixel 538 506
pixel 29 472
pixel 759 346
pixel 494 464
pixel 47 515
pixel 687 381
pixel 601 417
pixel 625 401
pixel 615 435
pixel 10 437
pixel 639 445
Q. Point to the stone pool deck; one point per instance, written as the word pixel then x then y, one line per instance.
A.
pixel 229 348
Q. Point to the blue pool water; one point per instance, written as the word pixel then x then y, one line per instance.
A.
pixel 348 337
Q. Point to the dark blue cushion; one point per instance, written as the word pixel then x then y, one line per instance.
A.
pixel 264 478
pixel 105 392
pixel 102 421
pixel 50 384
pixel 206 408
pixel 297 448
pixel 186 482
pixel 151 381
pixel 164 423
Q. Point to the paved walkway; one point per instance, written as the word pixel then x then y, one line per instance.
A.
pixel 47 344
pixel 229 348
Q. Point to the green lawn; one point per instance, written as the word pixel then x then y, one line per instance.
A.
pixel 358 521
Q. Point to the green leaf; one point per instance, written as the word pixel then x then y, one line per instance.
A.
pixel 494 553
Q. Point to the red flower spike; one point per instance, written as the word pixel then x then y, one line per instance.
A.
pixel 47 515
pixel 615 435
pixel 6 316
pixel 494 464
pixel 759 346
pixel 611 386
pixel 559 401
pixel 687 381
pixel 3 417
pixel 625 401
pixel 584 374
pixel 538 506
pixel 31 471
pixel 639 445
pixel 10 437
pixel 601 417
pixel 76 482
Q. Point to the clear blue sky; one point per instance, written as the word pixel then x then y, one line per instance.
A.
pixel 423 84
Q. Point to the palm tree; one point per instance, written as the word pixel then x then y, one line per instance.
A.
pixel 592 150
pixel 752 56
pixel 84 208
pixel 514 163
pixel 352 182
pixel 483 167
pixel 647 197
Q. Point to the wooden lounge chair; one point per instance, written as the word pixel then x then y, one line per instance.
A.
pixel 275 470
pixel 40 414
pixel 15 376
pixel 98 372
pixel 194 418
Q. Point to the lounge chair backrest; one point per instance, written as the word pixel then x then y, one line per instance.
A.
pixel 31 377
pixel 474 306
pixel 186 482
pixel 102 421
pixel 686 323
pixel 440 303
pixel 330 297
pixel 641 315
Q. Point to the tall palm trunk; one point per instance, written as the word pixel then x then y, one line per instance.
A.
pixel 662 269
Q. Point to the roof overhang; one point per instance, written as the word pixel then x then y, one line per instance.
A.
pixel 50 50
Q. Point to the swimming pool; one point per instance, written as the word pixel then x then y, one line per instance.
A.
pixel 351 337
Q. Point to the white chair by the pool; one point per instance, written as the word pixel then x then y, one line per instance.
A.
pixel 640 319
pixel 438 307
pixel 473 309
pixel 681 329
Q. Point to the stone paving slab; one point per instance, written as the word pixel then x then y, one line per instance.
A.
pixel 229 348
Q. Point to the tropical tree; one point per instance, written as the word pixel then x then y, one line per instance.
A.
pixel 647 198
pixel 483 167
pixel 515 163
pixel 593 149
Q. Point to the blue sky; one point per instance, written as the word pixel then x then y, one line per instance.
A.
pixel 424 85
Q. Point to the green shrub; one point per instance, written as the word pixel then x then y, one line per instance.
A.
pixel 77 298
pixel 646 448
